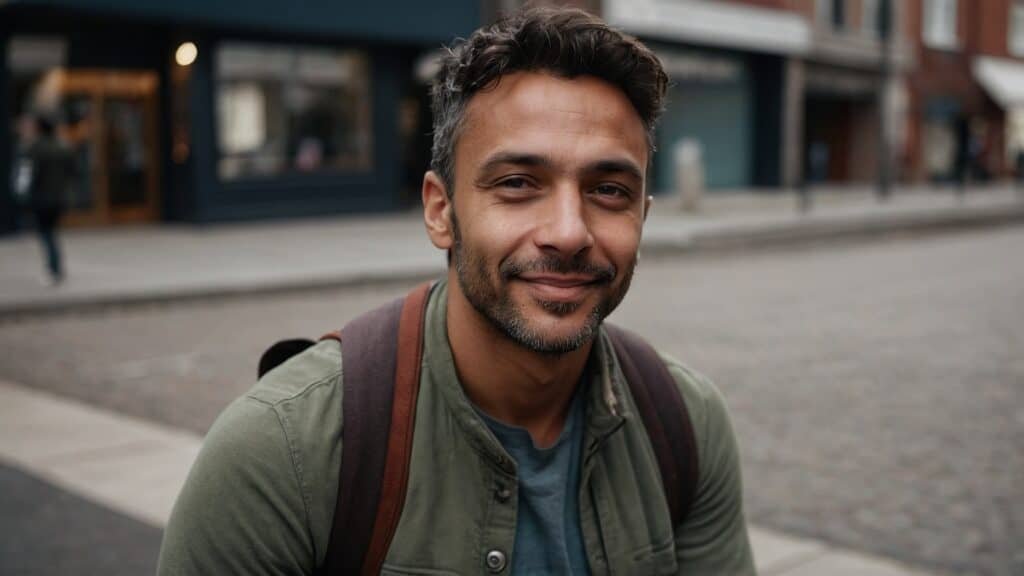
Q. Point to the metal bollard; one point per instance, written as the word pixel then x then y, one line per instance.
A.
pixel 689 164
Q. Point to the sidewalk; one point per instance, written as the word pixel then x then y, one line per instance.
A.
pixel 171 261
pixel 137 468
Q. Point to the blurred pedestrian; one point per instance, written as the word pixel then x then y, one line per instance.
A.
pixel 52 170
pixel 964 156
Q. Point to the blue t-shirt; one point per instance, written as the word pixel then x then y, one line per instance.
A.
pixel 548 539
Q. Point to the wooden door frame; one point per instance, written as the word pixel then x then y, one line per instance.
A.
pixel 101 85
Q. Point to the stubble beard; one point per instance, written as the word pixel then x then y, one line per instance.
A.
pixel 495 303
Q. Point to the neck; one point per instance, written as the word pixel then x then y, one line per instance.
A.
pixel 511 383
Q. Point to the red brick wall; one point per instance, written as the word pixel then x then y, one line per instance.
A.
pixel 993 27
pixel 778 4
pixel 982 29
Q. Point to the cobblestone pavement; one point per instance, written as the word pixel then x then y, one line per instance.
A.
pixel 877 388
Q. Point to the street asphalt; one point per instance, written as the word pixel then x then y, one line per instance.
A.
pixel 48 531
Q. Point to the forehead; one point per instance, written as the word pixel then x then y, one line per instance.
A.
pixel 564 119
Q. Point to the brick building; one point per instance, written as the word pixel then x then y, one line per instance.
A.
pixel 818 75
pixel 966 89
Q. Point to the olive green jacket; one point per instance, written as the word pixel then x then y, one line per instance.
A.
pixel 261 495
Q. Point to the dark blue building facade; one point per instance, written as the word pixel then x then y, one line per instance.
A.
pixel 199 111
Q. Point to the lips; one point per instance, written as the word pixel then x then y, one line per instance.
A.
pixel 559 287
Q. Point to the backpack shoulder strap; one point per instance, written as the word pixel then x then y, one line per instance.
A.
pixel 381 356
pixel 665 416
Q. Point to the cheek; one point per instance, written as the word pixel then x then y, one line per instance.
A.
pixel 482 248
pixel 620 241
pixel 499 234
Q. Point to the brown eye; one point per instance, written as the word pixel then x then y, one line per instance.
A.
pixel 612 191
pixel 514 182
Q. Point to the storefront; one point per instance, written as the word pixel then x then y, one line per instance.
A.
pixel 999 132
pixel 728 103
pixel 224 111
pixel 841 124
pixel 709 108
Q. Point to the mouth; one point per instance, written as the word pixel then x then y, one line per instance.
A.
pixel 559 287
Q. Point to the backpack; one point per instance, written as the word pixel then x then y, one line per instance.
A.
pixel 382 353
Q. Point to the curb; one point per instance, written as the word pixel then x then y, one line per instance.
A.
pixel 87 303
pixel 811 229
pixel 838 229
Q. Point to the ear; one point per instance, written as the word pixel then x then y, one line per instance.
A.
pixel 437 209
pixel 648 201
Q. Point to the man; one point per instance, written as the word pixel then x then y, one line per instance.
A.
pixel 52 169
pixel 527 456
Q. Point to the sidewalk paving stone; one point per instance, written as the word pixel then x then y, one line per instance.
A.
pixel 776 553
pixel 170 261
pixel 839 563
pixel 129 465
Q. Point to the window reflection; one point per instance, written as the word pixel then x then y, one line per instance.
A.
pixel 290 109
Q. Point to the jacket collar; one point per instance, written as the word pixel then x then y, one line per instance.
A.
pixel 606 405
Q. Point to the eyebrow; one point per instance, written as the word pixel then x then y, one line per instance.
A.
pixel 607 166
pixel 514 158
pixel 626 167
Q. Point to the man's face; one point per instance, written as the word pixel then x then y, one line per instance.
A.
pixel 548 206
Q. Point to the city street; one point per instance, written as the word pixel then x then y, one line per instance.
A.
pixel 877 388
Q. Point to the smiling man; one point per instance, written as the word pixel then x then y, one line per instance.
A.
pixel 531 450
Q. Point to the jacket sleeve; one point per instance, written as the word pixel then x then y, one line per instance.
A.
pixel 713 538
pixel 242 509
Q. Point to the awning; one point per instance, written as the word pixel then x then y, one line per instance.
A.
pixel 1003 80
pixel 720 24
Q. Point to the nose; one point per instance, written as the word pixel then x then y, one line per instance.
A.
pixel 564 226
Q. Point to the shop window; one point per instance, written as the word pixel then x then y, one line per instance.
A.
pixel 830 13
pixel 939 29
pixel 869 17
pixel 823 12
pixel 1016 36
pixel 838 14
pixel 283 109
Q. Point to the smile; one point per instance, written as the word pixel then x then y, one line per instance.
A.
pixel 559 287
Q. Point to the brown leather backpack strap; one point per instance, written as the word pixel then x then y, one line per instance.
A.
pixel 403 419
pixel 665 416
pixel 381 355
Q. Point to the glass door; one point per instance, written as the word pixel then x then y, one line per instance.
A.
pixel 112 128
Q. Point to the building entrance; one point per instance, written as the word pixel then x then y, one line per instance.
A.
pixel 111 124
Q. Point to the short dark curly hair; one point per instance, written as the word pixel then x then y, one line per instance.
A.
pixel 565 42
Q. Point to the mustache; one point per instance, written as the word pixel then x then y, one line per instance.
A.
pixel 555 265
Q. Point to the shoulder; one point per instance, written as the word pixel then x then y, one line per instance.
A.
pixel 706 407
pixel 297 404
pixel 304 395
pixel 300 377
pixel 267 472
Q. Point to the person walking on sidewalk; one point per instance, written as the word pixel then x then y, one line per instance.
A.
pixel 52 171
pixel 531 450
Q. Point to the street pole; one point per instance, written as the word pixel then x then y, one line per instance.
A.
pixel 885 32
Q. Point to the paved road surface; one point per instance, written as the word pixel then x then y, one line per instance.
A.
pixel 877 389
pixel 47 531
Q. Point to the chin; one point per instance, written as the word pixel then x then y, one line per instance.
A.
pixel 546 332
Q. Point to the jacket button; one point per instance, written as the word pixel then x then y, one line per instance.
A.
pixel 496 561
pixel 502 493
